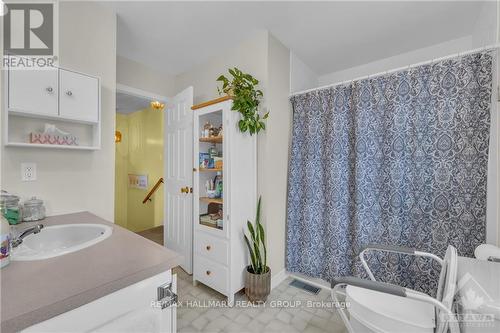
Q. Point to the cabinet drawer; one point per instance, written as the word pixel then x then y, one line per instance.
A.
pixel 211 273
pixel 212 247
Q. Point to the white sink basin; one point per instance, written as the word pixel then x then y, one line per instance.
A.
pixel 57 240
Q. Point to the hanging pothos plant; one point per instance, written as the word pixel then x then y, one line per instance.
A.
pixel 246 99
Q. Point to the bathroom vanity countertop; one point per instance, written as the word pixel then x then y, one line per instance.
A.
pixel 34 291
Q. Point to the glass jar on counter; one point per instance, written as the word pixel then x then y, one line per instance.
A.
pixel 9 208
pixel 33 210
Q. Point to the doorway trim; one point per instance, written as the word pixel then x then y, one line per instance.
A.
pixel 124 89
pixel 140 93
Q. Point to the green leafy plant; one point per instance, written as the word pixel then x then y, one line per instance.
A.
pixel 257 245
pixel 246 99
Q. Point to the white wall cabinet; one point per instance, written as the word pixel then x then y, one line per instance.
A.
pixel 219 254
pixel 65 98
pixel 33 92
pixel 78 96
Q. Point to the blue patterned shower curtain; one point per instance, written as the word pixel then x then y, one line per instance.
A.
pixel 399 159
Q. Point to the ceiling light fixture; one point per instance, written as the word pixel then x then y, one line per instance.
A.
pixel 157 105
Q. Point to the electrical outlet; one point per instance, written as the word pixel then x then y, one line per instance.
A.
pixel 28 172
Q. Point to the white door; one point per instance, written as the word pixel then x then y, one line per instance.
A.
pixel 33 91
pixel 178 224
pixel 79 96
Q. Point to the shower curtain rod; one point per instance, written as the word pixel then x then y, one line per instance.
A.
pixel 489 47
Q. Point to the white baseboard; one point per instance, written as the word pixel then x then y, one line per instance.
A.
pixel 278 278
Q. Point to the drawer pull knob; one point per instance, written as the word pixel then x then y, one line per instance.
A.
pixel 208 247
pixel 208 272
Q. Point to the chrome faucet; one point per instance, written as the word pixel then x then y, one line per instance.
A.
pixel 33 230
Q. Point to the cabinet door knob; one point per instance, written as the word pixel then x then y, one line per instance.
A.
pixel 49 89
pixel 185 189
pixel 69 93
pixel 208 247
pixel 208 272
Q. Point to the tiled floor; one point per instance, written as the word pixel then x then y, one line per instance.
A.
pixel 155 234
pixel 286 310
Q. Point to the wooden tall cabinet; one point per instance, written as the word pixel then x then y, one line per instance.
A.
pixel 219 253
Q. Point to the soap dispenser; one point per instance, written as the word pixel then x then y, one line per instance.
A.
pixel 4 242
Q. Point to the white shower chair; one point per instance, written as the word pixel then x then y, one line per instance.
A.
pixel 382 307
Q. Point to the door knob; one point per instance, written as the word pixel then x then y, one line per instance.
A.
pixel 208 247
pixel 49 89
pixel 69 93
pixel 208 272
pixel 185 189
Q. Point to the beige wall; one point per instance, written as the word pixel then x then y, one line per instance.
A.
pixel 136 75
pixel 71 181
pixel 302 77
pixel 273 152
pixel 268 60
pixel 400 60
pixel 249 56
pixel 484 33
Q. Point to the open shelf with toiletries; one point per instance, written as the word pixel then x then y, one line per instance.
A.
pixel 210 164
pixel 224 189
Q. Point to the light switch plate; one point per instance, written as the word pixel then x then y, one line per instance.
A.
pixel 28 172
pixel 138 181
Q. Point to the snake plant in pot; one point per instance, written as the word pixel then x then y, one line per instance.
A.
pixel 258 274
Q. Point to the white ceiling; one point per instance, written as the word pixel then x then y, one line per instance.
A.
pixel 328 36
pixel 127 103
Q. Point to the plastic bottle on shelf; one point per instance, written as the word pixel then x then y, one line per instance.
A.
pixel 218 185
pixel 206 129
pixel 5 238
pixel 212 151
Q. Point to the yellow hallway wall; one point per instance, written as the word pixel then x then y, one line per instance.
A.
pixel 144 144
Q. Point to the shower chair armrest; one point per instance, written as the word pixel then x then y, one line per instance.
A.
pixel 382 287
pixel 391 289
pixel 393 249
